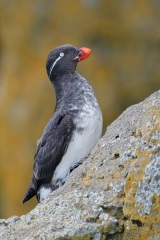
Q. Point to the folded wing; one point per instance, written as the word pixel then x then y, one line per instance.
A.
pixel 51 148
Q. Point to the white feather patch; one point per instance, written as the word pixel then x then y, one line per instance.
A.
pixel 44 193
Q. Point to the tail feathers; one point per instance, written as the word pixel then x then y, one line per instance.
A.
pixel 31 192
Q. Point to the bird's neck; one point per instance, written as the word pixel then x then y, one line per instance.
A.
pixel 62 84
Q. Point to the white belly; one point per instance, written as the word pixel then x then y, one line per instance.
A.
pixel 81 144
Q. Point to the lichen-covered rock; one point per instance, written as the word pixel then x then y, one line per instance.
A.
pixel 114 194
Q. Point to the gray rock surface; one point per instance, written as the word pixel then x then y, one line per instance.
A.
pixel 114 194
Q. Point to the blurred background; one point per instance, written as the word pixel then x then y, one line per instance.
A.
pixel 124 69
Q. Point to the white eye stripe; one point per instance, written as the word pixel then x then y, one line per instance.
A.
pixel 60 56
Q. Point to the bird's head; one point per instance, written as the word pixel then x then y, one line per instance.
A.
pixel 63 59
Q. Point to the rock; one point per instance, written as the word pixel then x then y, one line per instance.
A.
pixel 114 194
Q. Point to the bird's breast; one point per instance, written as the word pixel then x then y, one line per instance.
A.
pixel 87 132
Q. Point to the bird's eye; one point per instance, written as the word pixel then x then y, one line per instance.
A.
pixel 61 54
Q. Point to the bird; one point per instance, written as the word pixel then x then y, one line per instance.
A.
pixel 74 128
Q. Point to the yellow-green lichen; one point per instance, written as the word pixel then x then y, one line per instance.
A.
pixel 85 237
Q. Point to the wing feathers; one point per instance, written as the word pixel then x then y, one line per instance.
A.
pixel 50 151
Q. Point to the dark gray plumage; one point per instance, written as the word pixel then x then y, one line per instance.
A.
pixel 74 128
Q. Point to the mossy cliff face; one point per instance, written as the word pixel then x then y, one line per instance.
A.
pixel 114 194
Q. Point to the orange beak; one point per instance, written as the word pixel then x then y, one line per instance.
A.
pixel 83 54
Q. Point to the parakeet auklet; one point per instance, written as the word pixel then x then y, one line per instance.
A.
pixel 74 128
